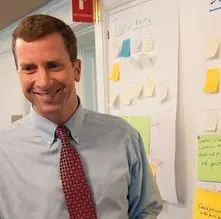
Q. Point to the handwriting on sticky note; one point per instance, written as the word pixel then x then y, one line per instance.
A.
pixel 148 89
pixel 212 47
pixel 209 158
pixel 207 204
pixel 125 49
pixel 210 120
pixel 212 81
pixel 115 74
pixel 127 96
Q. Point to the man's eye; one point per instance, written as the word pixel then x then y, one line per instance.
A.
pixel 54 66
pixel 28 69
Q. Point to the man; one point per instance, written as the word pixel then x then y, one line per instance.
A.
pixel 63 161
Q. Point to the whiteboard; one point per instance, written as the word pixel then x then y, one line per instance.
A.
pixel 156 21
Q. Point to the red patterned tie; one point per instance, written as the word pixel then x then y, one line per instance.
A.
pixel 76 190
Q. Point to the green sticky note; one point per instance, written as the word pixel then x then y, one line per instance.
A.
pixel 209 158
pixel 142 125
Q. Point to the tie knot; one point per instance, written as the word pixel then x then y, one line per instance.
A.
pixel 62 132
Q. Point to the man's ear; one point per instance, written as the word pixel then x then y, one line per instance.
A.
pixel 77 69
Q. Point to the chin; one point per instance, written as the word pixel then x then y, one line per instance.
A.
pixel 48 109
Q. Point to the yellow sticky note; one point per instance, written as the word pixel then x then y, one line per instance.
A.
pixel 207 204
pixel 212 46
pixel 148 90
pixel 153 169
pixel 212 81
pixel 115 74
pixel 148 45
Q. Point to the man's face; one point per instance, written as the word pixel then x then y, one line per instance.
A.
pixel 47 75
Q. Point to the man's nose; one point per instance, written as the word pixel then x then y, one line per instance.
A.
pixel 43 78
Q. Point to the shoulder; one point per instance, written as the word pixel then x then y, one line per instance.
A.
pixel 109 122
pixel 15 129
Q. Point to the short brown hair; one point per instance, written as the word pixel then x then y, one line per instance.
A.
pixel 37 26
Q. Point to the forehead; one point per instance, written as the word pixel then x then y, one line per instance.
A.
pixel 50 46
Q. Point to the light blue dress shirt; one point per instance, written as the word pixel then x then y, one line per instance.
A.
pixel 113 156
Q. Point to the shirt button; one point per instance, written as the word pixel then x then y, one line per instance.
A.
pixel 49 142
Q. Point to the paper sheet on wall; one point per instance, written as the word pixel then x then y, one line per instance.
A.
pixel 156 60
pixel 164 159
pixel 209 158
pixel 207 204
pixel 212 81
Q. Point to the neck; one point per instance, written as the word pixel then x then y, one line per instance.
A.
pixel 62 116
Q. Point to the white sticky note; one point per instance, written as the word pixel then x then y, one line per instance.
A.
pixel 212 47
pixel 114 99
pixel 115 49
pixel 137 46
pixel 137 91
pixel 210 119
pixel 145 60
pixel 163 92
pixel 127 96
pixel 135 64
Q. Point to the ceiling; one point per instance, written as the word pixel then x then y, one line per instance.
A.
pixel 12 10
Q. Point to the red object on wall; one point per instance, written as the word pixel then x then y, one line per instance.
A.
pixel 83 11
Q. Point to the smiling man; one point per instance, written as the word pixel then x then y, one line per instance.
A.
pixel 63 161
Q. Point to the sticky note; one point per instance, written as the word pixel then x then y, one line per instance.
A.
pixel 125 49
pixel 114 99
pixel 212 81
pixel 127 96
pixel 209 158
pixel 153 169
pixel 142 124
pixel 207 204
pixel 115 74
pixel 212 47
pixel 135 64
pixel 137 46
pixel 137 91
pixel 148 89
pixel 210 120
pixel 148 44
pixel 163 92
pixel 145 60
pixel 115 49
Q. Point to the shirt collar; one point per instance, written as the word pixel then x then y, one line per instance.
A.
pixel 48 127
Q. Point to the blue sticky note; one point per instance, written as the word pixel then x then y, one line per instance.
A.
pixel 125 49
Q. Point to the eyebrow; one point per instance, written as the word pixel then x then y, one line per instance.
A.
pixel 48 61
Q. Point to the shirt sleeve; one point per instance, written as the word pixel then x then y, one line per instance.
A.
pixel 143 194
